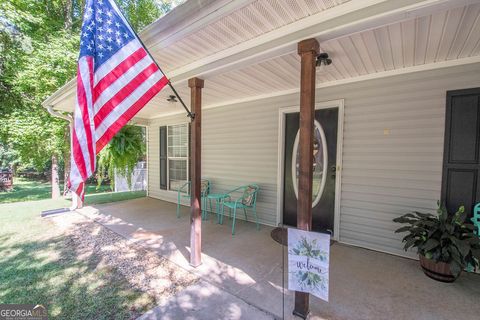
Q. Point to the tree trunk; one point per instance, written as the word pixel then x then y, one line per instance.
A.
pixel 68 15
pixel 55 180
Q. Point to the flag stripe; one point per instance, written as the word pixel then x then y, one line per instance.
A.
pixel 123 106
pixel 119 84
pixel 124 93
pixel 74 173
pixel 130 113
pixel 78 157
pixel 116 59
pixel 117 72
pixel 85 76
pixel 80 136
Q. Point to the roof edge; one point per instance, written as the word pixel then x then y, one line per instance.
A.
pixel 60 93
pixel 179 22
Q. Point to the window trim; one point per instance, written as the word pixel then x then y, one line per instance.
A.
pixel 187 158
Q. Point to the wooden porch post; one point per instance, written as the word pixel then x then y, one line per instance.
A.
pixel 308 51
pixel 196 86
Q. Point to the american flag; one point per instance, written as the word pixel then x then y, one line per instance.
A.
pixel 116 77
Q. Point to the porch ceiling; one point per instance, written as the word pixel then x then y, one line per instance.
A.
pixel 424 41
pixel 428 37
pixel 246 23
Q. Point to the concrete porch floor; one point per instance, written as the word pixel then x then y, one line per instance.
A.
pixel 364 284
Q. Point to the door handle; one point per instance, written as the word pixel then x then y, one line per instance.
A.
pixel 334 171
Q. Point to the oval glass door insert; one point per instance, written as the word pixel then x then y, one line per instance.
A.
pixel 320 163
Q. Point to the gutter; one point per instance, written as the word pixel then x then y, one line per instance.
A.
pixel 59 115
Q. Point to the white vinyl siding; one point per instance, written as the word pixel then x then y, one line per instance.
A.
pixel 392 150
pixel 235 152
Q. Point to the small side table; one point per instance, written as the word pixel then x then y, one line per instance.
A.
pixel 219 198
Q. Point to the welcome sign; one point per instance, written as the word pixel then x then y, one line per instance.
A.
pixel 308 262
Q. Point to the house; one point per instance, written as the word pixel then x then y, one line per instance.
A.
pixel 397 120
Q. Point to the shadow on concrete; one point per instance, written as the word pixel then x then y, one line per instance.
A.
pixel 67 278
pixel 364 284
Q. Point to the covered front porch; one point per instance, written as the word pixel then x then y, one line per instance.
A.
pixel 364 284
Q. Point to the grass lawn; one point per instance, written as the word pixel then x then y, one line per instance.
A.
pixel 26 190
pixel 39 265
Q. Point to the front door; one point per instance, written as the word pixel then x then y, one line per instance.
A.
pixel 324 158
pixel 461 164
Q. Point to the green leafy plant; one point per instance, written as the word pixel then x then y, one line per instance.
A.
pixel 121 155
pixel 442 238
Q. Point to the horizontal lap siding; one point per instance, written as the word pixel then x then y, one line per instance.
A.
pixel 383 176
pixel 400 170
pixel 240 147
pixel 386 175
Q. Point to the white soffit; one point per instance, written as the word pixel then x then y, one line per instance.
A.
pixel 415 44
pixel 437 38
pixel 251 21
pixel 413 41
pixel 213 26
pixel 442 36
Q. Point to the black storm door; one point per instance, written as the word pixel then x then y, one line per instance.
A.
pixel 461 163
pixel 324 158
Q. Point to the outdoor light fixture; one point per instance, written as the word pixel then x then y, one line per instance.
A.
pixel 323 58
pixel 172 99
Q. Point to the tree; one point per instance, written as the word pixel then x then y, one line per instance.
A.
pixel 39 44
pixel 8 157
pixel 38 54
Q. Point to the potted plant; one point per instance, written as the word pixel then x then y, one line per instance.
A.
pixel 445 243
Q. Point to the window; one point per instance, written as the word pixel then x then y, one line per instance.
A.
pixel 176 165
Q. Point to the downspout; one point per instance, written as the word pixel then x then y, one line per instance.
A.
pixel 60 115
pixel 76 202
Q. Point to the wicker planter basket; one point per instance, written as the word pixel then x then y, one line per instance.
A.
pixel 439 271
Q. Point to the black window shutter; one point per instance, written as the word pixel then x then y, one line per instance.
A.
pixel 163 157
pixel 461 163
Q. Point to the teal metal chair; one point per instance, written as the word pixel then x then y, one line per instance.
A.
pixel 476 218
pixel 476 223
pixel 184 193
pixel 248 200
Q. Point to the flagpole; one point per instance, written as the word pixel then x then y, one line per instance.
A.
pixel 190 114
